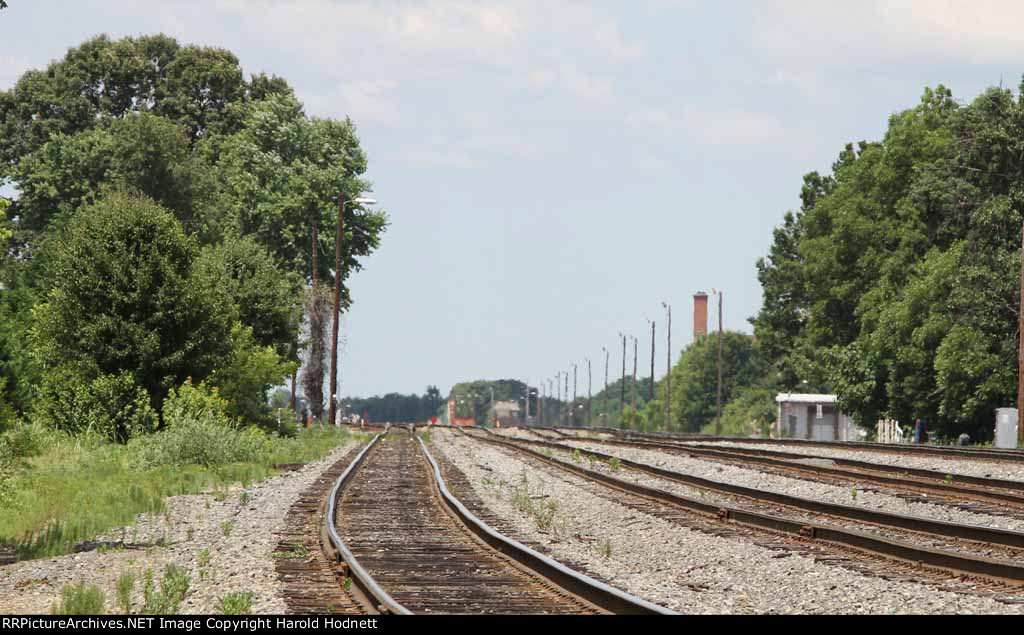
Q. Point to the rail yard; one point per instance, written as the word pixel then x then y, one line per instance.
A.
pixel 453 520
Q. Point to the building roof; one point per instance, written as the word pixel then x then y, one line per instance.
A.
pixel 788 397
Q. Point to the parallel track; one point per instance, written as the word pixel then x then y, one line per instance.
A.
pixel 1000 497
pixel 947 452
pixel 998 573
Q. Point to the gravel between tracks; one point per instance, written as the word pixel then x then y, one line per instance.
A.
pixel 969 467
pixel 756 479
pixel 239 561
pixel 685 570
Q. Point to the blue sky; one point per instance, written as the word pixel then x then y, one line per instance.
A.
pixel 555 170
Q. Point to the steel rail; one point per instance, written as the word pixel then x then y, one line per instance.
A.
pixel 933 481
pixel 361 577
pixel 988 454
pixel 977 533
pixel 602 595
pixel 1003 571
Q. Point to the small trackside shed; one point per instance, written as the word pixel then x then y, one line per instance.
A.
pixel 813 417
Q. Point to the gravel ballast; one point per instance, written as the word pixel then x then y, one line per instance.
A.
pixel 240 538
pixel 967 466
pixel 683 569
pixel 763 481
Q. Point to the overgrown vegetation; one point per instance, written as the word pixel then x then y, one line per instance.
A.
pixel 154 267
pixel 79 599
pixel 65 489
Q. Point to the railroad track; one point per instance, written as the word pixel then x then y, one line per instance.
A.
pixel 764 512
pixel 948 452
pixel 997 497
pixel 410 547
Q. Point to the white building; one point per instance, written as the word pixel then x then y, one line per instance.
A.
pixel 813 417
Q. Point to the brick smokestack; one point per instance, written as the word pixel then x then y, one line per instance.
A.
pixel 700 314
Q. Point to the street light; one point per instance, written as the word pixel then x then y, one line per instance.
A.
pixel 337 300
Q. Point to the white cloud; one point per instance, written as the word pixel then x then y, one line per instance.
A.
pixel 609 38
pixel 710 127
pixel 850 34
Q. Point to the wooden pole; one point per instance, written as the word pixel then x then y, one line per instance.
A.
pixel 337 312
pixel 718 408
pixel 1020 349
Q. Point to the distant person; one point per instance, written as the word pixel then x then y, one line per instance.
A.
pixel 917 431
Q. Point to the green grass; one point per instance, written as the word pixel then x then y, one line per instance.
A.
pixel 78 599
pixel 125 586
pixel 77 488
pixel 235 604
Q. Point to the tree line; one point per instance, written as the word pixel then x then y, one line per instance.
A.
pixel 896 282
pixel 161 233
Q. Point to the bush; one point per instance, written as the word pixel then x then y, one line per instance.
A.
pixel 197 431
pixel 78 599
pixel 195 403
pixel 112 406
pixel 249 372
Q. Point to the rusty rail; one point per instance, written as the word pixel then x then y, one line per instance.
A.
pixel 1003 571
pixel 367 585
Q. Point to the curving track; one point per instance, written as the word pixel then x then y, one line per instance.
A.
pixel 413 548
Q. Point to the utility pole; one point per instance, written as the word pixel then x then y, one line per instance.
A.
pixel 650 393
pixel 337 300
pixel 569 412
pixel 718 408
pixel 1020 351
pixel 558 386
pixel 590 396
pixel 337 309
pixel 622 391
pixel 607 357
pixel 668 375
pixel 572 420
pixel 548 408
pixel 526 417
pixel 636 342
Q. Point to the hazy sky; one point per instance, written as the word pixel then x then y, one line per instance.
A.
pixel 554 170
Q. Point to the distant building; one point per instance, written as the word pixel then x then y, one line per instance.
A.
pixel 507 412
pixel 813 417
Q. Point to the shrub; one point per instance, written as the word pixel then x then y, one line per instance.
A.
pixel 246 376
pixel 200 442
pixel 195 403
pixel 112 406
pixel 78 599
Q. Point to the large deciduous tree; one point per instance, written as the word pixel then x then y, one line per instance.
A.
pixel 896 285
pixel 122 303
pixel 240 166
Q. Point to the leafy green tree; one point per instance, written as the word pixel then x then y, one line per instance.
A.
pixel 142 152
pixel 750 413
pixel 121 298
pixel 249 371
pixel 283 171
pixel 896 285
pixel 695 377
pixel 263 296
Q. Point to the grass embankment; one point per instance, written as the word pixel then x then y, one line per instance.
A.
pixel 59 491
